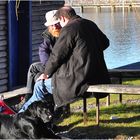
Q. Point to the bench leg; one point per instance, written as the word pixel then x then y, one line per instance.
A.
pixel 108 100
pixel 120 98
pixel 84 110
pixel 97 111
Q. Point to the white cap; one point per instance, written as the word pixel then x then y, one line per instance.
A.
pixel 50 18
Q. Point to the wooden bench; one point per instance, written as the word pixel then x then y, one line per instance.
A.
pixel 105 88
pixel 108 88
pixel 117 75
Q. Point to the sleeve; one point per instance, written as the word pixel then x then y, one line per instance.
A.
pixel 44 51
pixel 60 52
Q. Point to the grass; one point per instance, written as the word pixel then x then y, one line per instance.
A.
pixel 126 126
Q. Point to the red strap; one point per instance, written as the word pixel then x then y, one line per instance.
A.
pixel 5 108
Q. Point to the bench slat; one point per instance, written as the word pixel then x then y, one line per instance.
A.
pixel 114 88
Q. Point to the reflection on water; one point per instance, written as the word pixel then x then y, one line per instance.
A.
pixel 123 30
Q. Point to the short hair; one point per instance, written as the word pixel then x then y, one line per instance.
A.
pixel 66 11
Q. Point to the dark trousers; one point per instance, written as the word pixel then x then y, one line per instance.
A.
pixel 35 70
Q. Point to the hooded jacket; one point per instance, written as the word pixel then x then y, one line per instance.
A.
pixel 77 60
pixel 45 48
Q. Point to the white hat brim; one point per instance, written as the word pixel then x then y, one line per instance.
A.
pixel 52 23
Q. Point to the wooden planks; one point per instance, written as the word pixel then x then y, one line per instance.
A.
pixel 108 88
pixel 115 89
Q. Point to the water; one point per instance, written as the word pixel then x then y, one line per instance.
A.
pixel 123 31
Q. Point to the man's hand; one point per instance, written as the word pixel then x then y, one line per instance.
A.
pixel 41 77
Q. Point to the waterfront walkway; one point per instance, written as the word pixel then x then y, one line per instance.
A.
pixel 133 66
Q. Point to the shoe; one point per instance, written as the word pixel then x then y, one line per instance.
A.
pixel 66 110
pixel 58 115
pixel 62 112
pixel 18 106
pixel 28 96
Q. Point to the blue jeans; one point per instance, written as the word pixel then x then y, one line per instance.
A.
pixel 38 93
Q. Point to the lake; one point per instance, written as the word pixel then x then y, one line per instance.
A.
pixel 123 30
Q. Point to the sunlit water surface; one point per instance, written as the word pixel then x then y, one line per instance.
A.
pixel 123 31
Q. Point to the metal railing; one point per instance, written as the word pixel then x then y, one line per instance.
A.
pixel 101 2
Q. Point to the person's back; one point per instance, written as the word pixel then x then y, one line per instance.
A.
pixel 78 58
pixel 89 45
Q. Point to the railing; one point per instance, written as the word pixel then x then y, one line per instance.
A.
pixel 102 2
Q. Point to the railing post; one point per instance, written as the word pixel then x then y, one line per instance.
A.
pixel 120 95
pixel 81 9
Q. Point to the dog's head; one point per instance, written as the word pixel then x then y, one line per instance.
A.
pixel 41 109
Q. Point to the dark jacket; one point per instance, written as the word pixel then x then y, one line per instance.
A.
pixel 45 48
pixel 77 60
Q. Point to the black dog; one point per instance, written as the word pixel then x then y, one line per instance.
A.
pixel 30 124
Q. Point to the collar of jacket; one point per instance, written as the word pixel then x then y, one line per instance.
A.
pixel 74 18
pixel 47 35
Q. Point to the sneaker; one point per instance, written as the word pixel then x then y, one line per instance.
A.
pixel 18 106
pixel 28 96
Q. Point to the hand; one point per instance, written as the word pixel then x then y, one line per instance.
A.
pixel 41 77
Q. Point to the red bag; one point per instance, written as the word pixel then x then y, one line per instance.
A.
pixel 4 108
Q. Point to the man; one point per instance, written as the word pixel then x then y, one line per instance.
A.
pixel 76 60
pixel 50 36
